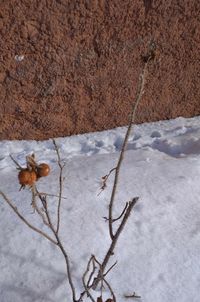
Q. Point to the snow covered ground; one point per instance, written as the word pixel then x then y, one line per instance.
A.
pixel 158 252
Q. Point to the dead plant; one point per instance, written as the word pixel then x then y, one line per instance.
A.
pixel 95 272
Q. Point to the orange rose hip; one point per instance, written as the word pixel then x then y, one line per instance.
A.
pixel 43 170
pixel 27 177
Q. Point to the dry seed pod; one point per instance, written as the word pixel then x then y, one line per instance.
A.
pixel 30 161
pixel 43 170
pixel 99 299
pixel 27 177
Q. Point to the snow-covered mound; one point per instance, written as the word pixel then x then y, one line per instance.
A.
pixel 158 251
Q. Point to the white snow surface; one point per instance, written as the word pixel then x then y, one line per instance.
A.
pixel 158 252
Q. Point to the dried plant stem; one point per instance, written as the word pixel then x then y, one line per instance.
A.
pixel 110 289
pixel 103 280
pixel 59 244
pixel 109 269
pixel 84 280
pixel 51 195
pixel 47 220
pixel 25 221
pixel 67 266
pixel 92 273
pixel 105 178
pixel 60 185
pixel 128 207
pixel 120 216
pixel 139 94
pixel 16 163
pixel 50 225
pixel 35 206
pixel 132 296
pixel 115 239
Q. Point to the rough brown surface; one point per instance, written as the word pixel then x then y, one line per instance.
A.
pixel 69 67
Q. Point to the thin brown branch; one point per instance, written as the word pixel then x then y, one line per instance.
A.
pixel 35 206
pixel 57 151
pixel 24 220
pixel 104 180
pixel 106 273
pixel 87 285
pixel 115 239
pixel 59 244
pixel 102 277
pixel 16 163
pixel 51 195
pixel 122 213
pixel 67 266
pixel 139 93
pixel 60 185
pixel 91 274
pixel 120 216
pixel 110 289
pixel 132 296
pixel 103 280
pixel 84 281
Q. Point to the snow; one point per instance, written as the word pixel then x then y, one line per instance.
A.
pixel 158 251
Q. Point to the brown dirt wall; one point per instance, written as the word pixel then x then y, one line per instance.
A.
pixel 69 67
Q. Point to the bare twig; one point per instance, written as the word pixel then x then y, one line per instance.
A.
pixel 59 244
pixel 84 281
pixel 16 163
pixel 60 185
pixel 25 221
pixel 102 277
pixel 111 290
pixel 58 221
pixel 51 195
pixel 87 285
pixel 121 226
pixel 103 280
pixel 128 207
pixel 104 180
pixel 35 206
pixel 122 213
pixel 110 269
pixel 139 93
pixel 120 216
pixel 115 239
pixel 132 296
pixel 91 274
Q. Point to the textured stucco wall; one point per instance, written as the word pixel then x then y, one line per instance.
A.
pixel 70 67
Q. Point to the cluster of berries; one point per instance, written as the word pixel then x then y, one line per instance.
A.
pixel 33 171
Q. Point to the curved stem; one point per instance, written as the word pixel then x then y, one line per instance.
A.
pixel 24 220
